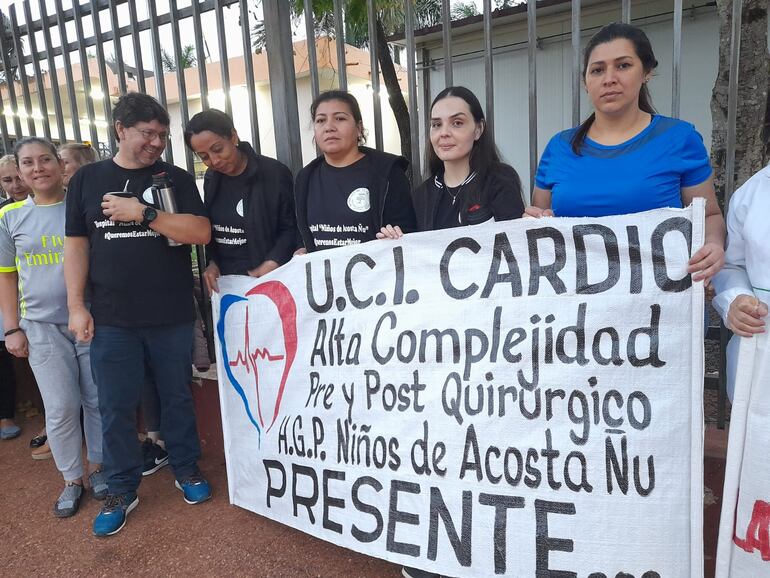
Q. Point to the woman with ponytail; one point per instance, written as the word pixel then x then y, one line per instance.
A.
pixel 625 158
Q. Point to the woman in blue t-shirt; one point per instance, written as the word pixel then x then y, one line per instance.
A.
pixel 625 158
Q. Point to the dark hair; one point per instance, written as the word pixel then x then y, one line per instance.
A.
pixel 643 49
pixel 212 120
pixel 348 99
pixel 33 140
pixel 134 107
pixel 83 152
pixel 484 154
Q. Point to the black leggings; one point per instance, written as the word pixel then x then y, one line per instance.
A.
pixel 7 384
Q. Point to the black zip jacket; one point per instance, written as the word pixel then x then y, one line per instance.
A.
pixel 390 199
pixel 501 192
pixel 268 208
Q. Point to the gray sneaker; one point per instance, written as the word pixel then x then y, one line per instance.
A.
pixel 69 501
pixel 98 483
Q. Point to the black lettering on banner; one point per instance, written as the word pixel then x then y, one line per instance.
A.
pixel 355 260
pixel 460 544
pixel 544 544
pixel 378 357
pixel 330 501
pixel 502 248
pixel 653 332
pixel 397 516
pixel 272 491
pixel 579 232
pixel 357 533
pixel 446 282
pixel 550 272
pixel 662 280
pixel 501 504
pixel 579 331
pixel 326 305
pixel 307 501
pixel 635 284
pixel 614 358
pixel 398 262
pixel 471 445
pixel 439 336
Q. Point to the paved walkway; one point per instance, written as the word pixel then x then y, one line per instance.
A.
pixel 163 536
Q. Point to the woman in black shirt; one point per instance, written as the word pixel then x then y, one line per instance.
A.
pixel 346 195
pixel 468 182
pixel 249 200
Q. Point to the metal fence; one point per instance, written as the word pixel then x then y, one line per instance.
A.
pixel 56 37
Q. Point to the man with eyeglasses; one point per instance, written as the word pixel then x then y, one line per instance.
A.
pixel 117 256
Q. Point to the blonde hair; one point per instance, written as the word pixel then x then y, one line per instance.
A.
pixel 83 153
pixel 8 160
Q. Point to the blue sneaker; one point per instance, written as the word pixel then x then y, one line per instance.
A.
pixel 195 489
pixel 113 516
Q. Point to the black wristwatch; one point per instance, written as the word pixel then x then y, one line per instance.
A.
pixel 149 214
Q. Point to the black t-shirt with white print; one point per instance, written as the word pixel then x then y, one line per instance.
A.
pixel 338 204
pixel 136 279
pixel 228 225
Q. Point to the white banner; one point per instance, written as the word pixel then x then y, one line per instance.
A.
pixel 520 398
pixel 744 529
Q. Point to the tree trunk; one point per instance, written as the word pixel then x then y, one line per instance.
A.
pixel 752 129
pixel 395 96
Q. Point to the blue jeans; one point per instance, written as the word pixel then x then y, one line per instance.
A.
pixel 118 358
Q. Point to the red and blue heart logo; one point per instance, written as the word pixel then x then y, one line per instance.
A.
pixel 257 358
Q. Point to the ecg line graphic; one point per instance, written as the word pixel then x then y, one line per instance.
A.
pixel 248 359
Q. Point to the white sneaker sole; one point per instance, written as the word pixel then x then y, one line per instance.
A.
pixel 162 464
pixel 133 505
pixel 179 487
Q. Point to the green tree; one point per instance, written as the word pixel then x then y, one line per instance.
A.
pixel 188 58
pixel 390 20
pixel 464 10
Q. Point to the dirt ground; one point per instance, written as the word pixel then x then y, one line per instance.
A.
pixel 163 535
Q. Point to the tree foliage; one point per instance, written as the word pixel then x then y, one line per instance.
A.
pixel 188 58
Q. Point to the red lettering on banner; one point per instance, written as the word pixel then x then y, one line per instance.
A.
pixel 758 531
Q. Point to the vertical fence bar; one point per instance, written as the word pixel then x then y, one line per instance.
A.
pixel 105 86
pixel 249 63
pixel 71 95
pixel 283 84
pixel 200 55
pixel 426 92
pixel 39 83
pixel 312 58
pixel 676 76
pixel 625 13
pixel 576 69
pixel 375 66
pixel 160 81
pixel 489 67
pixel 136 41
pixel 10 83
pixel 58 110
pixel 411 73
pixel 22 72
pixel 4 129
pixel 118 48
pixel 732 99
pixel 446 31
pixel 339 27
pixel 223 63
pixel 86 72
pixel 180 80
pixel 532 61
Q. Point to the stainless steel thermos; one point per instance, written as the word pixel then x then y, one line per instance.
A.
pixel 165 197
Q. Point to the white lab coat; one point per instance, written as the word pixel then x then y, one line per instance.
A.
pixel 747 258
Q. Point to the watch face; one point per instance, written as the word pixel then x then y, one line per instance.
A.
pixel 149 214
